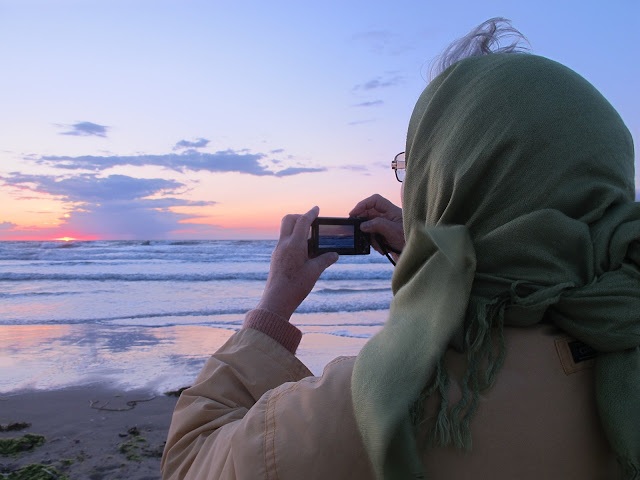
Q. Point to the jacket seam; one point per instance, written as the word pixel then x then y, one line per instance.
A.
pixel 269 414
pixel 271 424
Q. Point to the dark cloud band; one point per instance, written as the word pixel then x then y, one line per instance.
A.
pixel 86 129
pixel 199 143
pixel 223 161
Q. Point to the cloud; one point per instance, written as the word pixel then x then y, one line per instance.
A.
pixel 372 103
pixel 297 170
pixel 7 226
pixel 277 150
pixel 86 129
pixel 382 42
pixel 199 143
pixel 123 207
pixel 92 189
pixel 116 206
pixel 360 122
pixel 222 161
pixel 125 220
pixel 390 80
pixel 355 168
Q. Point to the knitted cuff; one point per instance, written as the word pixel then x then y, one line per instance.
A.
pixel 275 326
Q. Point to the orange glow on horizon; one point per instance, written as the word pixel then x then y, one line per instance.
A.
pixel 70 237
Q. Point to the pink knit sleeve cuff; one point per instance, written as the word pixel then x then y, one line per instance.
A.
pixel 275 326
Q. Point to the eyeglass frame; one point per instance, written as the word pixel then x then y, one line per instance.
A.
pixel 399 164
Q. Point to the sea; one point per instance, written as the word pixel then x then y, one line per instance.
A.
pixel 147 314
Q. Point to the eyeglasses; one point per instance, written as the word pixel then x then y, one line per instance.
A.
pixel 398 165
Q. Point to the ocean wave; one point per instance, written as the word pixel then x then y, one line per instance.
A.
pixel 46 294
pixel 130 277
pixel 159 319
pixel 232 250
pixel 228 251
pixel 348 291
pixel 188 277
pixel 348 334
pixel 67 245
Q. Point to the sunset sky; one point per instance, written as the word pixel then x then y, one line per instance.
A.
pixel 181 119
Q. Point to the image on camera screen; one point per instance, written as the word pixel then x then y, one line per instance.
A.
pixel 336 236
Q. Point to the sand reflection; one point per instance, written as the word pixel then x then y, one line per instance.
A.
pixel 156 358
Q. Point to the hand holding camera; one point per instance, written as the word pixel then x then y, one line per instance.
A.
pixel 308 245
pixel 385 220
pixel 292 273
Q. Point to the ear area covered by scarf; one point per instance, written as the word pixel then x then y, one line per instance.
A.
pixel 431 284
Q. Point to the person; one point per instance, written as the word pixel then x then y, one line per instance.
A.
pixel 512 344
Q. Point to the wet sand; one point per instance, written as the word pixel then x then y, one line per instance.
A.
pixel 105 430
pixel 90 432
pixel 50 357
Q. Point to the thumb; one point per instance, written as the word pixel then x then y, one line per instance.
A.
pixel 366 226
pixel 325 260
pixel 375 225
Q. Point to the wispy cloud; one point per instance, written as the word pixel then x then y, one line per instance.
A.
pixel 355 168
pixel 85 129
pixel 7 226
pixel 382 42
pixel 372 103
pixel 116 206
pixel 287 172
pixel 198 143
pixel 360 122
pixel 381 36
pixel 222 161
pixel 389 80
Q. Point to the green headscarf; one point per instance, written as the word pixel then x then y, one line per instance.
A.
pixel 518 209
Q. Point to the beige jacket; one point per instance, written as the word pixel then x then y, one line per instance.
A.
pixel 256 412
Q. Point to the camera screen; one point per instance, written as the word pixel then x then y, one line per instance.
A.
pixel 336 236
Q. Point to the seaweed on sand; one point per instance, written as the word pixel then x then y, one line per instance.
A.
pixel 35 471
pixel 14 446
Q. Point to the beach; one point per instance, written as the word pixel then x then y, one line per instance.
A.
pixel 110 420
pixel 99 430
pixel 90 432
pixel 93 335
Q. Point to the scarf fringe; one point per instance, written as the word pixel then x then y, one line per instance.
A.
pixel 452 425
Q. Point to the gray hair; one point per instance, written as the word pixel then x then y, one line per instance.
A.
pixel 496 35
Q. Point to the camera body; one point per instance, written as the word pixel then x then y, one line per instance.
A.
pixel 340 235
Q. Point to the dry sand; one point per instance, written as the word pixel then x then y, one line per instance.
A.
pixel 90 432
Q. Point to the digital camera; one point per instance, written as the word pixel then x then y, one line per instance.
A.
pixel 340 235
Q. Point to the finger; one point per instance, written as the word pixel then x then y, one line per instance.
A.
pixel 325 260
pixel 377 225
pixel 303 223
pixel 377 206
pixel 363 205
pixel 287 224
